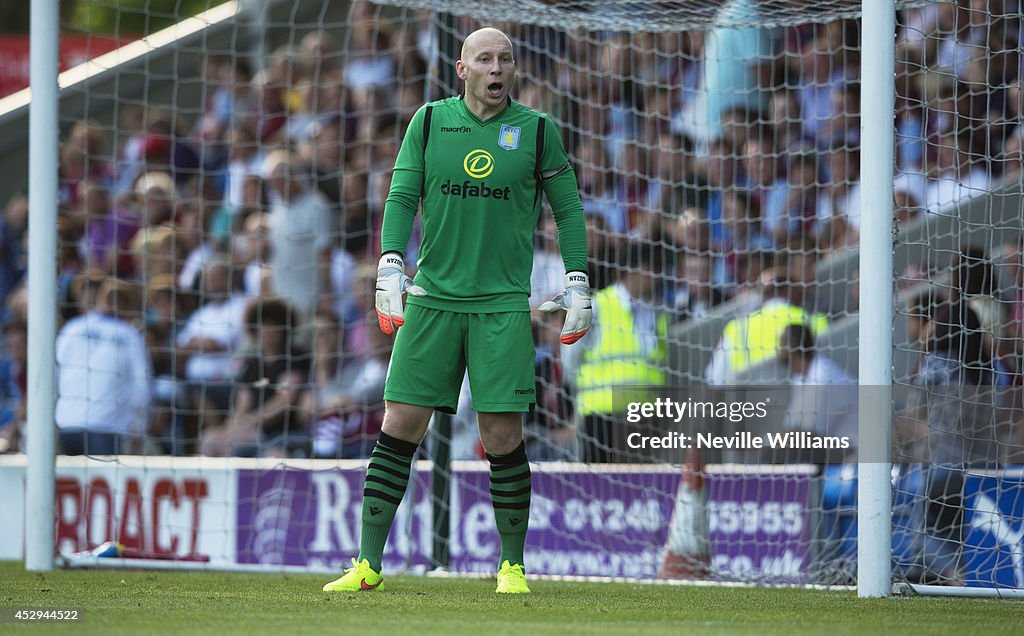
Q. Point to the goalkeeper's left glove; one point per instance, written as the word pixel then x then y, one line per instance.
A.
pixel 575 300
pixel 391 284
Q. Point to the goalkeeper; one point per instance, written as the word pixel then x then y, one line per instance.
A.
pixel 479 163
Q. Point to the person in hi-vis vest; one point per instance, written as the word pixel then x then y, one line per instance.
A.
pixel 626 347
pixel 753 339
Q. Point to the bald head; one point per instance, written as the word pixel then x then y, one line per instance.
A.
pixel 482 38
pixel 488 68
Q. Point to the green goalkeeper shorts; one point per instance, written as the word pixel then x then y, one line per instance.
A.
pixel 434 349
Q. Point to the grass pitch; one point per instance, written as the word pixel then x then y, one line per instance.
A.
pixel 162 602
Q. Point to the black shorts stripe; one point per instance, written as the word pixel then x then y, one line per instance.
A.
pixel 510 479
pixel 391 499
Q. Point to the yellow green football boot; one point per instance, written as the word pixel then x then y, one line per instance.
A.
pixel 359 578
pixel 512 579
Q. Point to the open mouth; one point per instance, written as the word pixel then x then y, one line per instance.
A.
pixel 494 89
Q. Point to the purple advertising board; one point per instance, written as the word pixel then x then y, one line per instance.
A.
pixel 590 521
pixel 288 516
pixel 587 522
pixel 758 523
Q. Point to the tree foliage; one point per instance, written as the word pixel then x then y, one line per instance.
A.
pixel 128 17
pixel 131 17
pixel 14 16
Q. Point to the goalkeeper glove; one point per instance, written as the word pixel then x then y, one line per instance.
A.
pixel 391 284
pixel 575 300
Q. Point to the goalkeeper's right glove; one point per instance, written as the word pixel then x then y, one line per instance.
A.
pixel 391 284
pixel 575 300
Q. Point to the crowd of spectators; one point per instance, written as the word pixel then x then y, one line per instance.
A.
pixel 241 242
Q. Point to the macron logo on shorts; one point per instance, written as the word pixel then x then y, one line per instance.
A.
pixel 525 391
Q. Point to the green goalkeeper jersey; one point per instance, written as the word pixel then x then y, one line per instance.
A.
pixel 480 183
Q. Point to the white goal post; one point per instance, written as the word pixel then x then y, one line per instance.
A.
pixel 874 499
pixel 43 143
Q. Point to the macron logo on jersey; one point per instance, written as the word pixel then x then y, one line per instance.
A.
pixel 456 129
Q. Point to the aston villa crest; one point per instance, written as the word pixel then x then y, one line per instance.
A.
pixel 508 138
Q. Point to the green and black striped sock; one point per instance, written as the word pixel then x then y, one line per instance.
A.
pixel 387 475
pixel 510 494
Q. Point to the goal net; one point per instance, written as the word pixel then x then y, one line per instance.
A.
pixel 957 513
pixel 220 373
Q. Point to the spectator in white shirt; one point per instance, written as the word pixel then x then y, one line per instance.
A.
pixel 103 376
pixel 301 236
pixel 823 397
pixel 208 341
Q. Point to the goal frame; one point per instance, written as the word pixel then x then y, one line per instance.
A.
pixel 874 498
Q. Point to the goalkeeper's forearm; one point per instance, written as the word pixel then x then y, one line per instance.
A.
pixel 564 196
pixel 400 210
